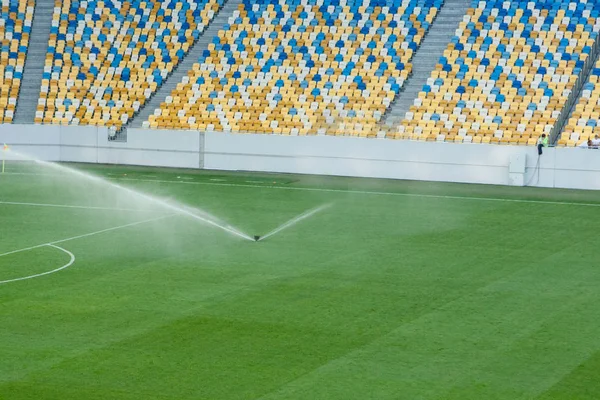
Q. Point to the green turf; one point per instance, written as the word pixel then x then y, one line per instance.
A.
pixel 395 292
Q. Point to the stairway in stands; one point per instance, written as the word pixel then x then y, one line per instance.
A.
pixel 432 48
pixel 186 64
pixel 573 99
pixel 34 63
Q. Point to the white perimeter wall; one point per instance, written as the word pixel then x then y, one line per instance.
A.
pixel 154 148
pixel 344 156
pixel 181 149
pixel 400 159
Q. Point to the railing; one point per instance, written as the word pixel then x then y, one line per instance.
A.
pixel 575 93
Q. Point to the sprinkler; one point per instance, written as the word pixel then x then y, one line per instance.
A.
pixel 256 238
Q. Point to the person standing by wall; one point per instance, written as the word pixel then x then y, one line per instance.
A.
pixel 541 143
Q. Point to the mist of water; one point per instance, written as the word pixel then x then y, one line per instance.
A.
pixel 136 196
pixel 295 220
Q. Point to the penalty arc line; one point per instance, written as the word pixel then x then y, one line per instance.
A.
pixel 114 228
pixel 53 244
pixel 67 265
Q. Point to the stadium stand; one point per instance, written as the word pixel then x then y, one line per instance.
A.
pixel 106 58
pixel 506 74
pixel 301 67
pixel 170 84
pixel 583 122
pixel 15 26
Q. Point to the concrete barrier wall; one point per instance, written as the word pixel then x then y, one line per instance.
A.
pixel 43 143
pixel 577 169
pixel 80 144
pixel 88 144
pixel 343 156
pixel 380 158
pixel 180 149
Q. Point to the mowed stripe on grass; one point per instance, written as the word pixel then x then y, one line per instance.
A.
pixel 377 297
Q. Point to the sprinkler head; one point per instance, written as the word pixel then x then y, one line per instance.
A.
pixel 256 238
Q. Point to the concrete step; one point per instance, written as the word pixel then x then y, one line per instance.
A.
pixel 29 92
pixel 186 64
pixel 434 43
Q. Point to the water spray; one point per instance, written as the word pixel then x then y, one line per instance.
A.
pixel 192 212
pixel 293 221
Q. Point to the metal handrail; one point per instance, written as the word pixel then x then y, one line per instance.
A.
pixel 575 93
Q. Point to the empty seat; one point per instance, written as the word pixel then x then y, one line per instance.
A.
pixel 116 55
pixel 509 70
pixel 327 65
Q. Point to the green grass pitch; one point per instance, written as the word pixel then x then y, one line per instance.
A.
pixel 399 290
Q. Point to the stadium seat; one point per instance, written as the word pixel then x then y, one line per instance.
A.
pixel 105 59
pixel 583 122
pixel 16 17
pixel 301 67
pixel 508 71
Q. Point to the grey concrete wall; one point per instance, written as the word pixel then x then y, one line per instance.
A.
pixel 345 156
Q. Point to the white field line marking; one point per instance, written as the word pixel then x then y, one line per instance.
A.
pixel 67 265
pixel 367 192
pixel 215 182
pixel 85 235
pixel 296 219
pixel 31 173
pixel 16 203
